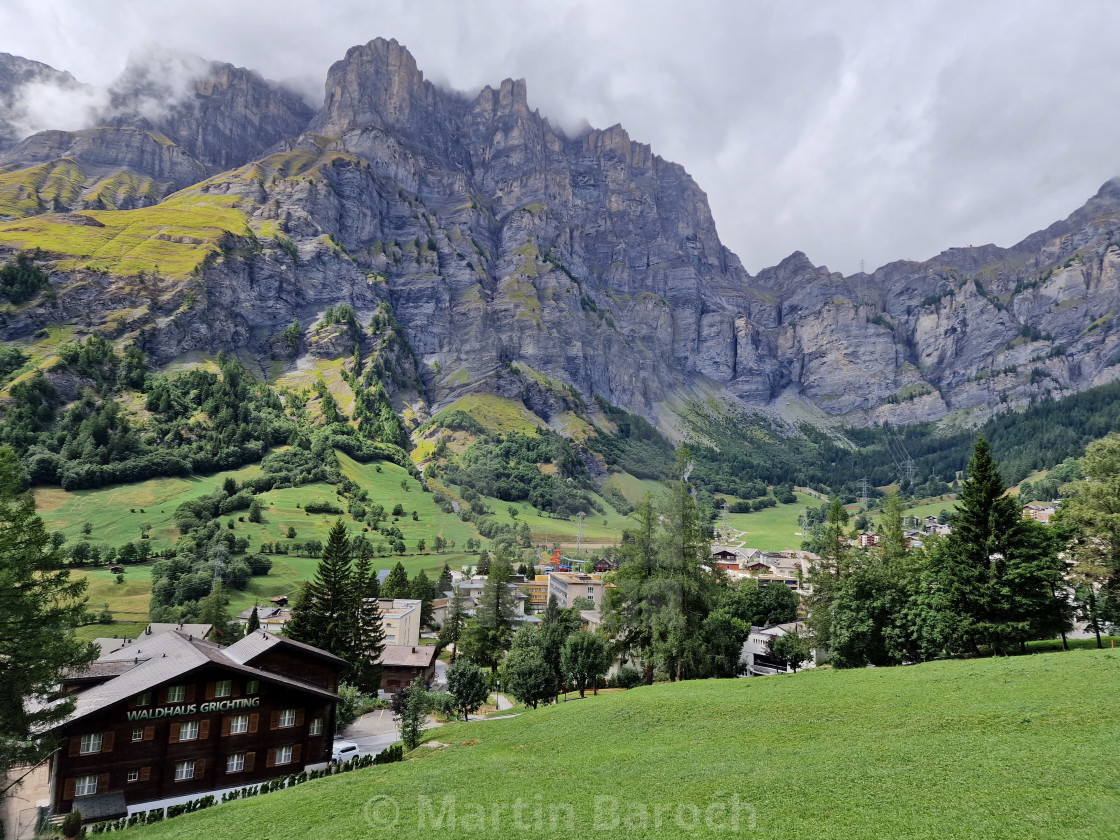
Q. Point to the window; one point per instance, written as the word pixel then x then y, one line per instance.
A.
pixel 235 763
pixel 283 755
pixel 288 718
pixel 316 727
pixel 144 699
pixel 176 694
pixel 91 743
pixel 85 786
pixel 239 725
pixel 591 592
pixel 134 775
pixel 223 688
pixel 188 730
pixel 184 770
pixel 138 733
pixel 252 687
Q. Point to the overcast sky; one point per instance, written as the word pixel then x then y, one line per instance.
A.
pixel 848 130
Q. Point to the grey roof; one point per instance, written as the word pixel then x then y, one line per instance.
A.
pixel 157 659
pixel 247 649
pixel 415 656
pixel 200 631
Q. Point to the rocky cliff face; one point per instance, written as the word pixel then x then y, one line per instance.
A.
pixel 520 261
pixel 220 114
pixel 15 74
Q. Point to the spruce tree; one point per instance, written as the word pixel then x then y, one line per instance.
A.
pixel 993 580
pixel 39 607
pixel 397 584
pixel 444 583
pixel 325 613
pixel 369 634
pixel 421 589
pixel 254 622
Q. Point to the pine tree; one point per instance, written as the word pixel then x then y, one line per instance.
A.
pixel 369 634
pixel 325 613
pixel 397 584
pixel 254 622
pixel 39 607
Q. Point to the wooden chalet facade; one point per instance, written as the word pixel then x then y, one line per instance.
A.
pixel 173 715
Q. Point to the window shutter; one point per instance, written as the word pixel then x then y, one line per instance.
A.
pixel 250 761
pixel 68 788
pixel 204 730
pixel 174 737
pixel 236 689
pixel 199 768
pixel 149 733
pixel 145 774
pixel 75 746
pixel 107 742
pixel 209 691
pixel 275 721
pixel 297 751
pixel 253 719
pixel 299 717
pixel 189 697
pixel 271 761
pixel 227 724
pixel 162 696
pixel 103 783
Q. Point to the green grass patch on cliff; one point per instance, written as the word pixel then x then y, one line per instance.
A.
pixel 172 238
pixel 1000 749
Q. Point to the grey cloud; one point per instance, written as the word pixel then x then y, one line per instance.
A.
pixel 864 130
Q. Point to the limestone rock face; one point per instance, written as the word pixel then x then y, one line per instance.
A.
pixel 524 262
pixel 15 73
pixel 227 115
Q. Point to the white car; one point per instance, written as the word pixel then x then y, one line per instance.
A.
pixel 344 751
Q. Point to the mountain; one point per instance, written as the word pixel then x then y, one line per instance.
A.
pixel 521 262
pixel 15 74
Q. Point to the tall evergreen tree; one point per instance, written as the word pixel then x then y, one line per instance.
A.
pixel 39 608
pixel 254 622
pixel 397 584
pixel 369 633
pixel 488 634
pixel 214 610
pixel 452 630
pixel 445 581
pixel 325 613
pixel 993 580
pixel 420 588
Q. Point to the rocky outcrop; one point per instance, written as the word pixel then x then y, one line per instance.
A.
pixel 15 74
pixel 503 246
pixel 224 116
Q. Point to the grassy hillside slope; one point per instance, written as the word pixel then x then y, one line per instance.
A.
pixel 1007 748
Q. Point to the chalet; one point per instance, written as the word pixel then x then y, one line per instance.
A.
pixel 271 619
pixel 603 565
pixel 401 664
pixel 725 559
pixel 174 715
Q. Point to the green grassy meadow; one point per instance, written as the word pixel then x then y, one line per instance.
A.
pixel 999 749
pixel 772 529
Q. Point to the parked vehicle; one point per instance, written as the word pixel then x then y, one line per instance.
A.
pixel 344 750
